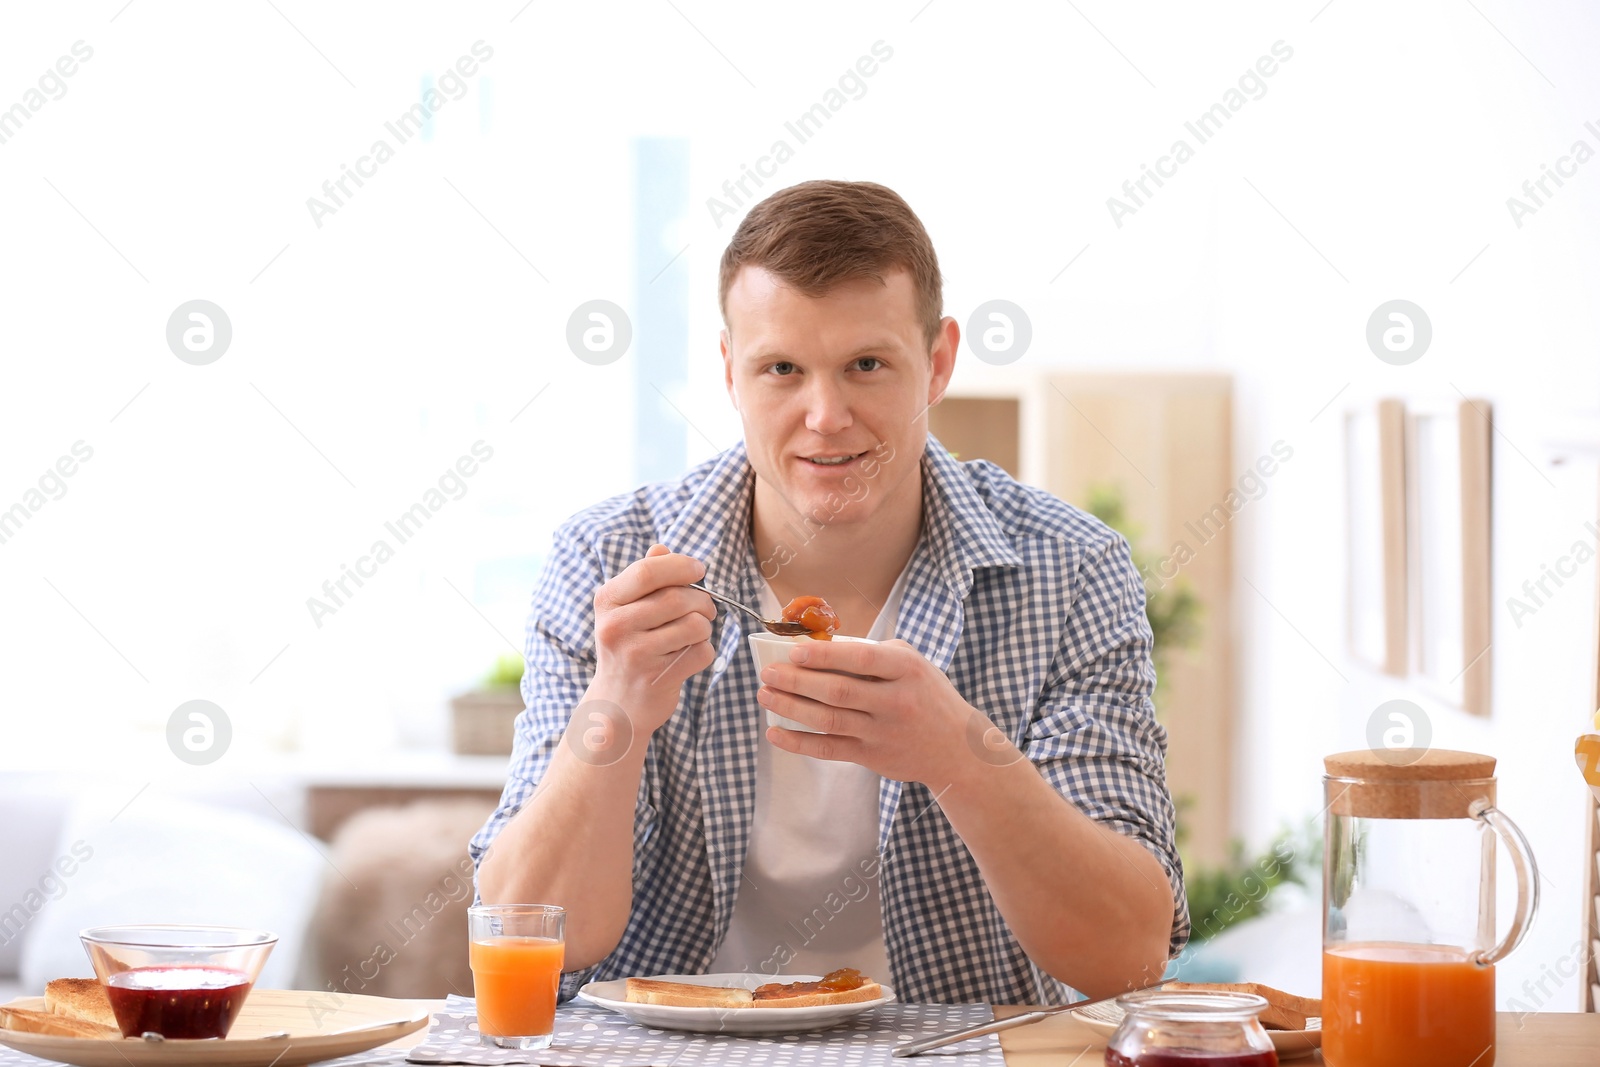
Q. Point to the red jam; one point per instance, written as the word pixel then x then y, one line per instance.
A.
pixel 177 1002
pixel 841 981
pixel 1192 1058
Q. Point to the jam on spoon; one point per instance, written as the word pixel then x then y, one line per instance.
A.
pixel 814 614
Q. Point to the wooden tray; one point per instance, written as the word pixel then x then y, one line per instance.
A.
pixel 321 1026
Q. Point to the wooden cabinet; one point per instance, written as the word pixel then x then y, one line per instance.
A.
pixel 1166 441
pixel 336 789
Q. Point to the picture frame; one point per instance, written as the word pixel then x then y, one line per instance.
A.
pixel 1448 514
pixel 1376 535
pixel 1476 423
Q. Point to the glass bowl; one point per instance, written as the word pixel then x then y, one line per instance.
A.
pixel 180 982
pixel 1168 1028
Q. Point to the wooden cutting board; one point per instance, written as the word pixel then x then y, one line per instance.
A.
pixel 320 1026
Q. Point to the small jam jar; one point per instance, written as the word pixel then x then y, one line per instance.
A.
pixel 1172 1029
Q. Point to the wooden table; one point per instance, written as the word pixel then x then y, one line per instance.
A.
pixel 1549 1039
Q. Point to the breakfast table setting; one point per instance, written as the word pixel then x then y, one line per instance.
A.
pixel 1401 987
pixel 586 1035
pixel 1548 1039
pixel 287 1027
pixel 394 1032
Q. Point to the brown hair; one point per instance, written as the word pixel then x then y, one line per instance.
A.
pixel 814 235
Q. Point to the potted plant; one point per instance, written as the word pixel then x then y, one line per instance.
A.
pixel 483 721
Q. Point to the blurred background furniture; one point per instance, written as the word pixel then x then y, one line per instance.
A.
pixel 1165 443
pixel 88 854
pixel 391 917
pixel 337 861
pixel 32 811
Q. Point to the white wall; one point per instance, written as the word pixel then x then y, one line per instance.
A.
pixel 179 561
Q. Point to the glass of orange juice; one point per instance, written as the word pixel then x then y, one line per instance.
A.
pixel 516 952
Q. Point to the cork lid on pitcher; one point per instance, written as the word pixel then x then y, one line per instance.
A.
pixel 1409 783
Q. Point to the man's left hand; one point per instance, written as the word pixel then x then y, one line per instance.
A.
pixel 900 716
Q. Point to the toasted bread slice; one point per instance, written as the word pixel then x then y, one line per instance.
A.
pixel 807 998
pixel 685 995
pixel 79 998
pixel 771 995
pixel 44 1022
pixel 1284 1011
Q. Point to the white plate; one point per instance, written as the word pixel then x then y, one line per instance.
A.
pixel 611 995
pixel 1106 1017
pixel 320 1025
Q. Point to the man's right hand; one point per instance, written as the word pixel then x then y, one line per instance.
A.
pixel 652 633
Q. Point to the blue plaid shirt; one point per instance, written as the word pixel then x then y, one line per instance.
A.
pixel 1032 607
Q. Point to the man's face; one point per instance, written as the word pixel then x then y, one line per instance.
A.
pixel 834 391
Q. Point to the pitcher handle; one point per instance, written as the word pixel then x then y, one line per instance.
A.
pixel 1527 884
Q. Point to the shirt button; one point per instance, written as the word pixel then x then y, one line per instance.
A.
pixel 720 664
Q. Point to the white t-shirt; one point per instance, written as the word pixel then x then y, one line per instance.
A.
pixel 808 902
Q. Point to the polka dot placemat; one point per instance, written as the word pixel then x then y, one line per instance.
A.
pixel 593 1037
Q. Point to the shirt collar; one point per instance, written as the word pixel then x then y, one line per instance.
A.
pixel 960 530
pixel 957 523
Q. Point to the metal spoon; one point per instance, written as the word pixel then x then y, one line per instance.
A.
pixel 782 629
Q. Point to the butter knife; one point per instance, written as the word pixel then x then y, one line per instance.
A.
pixel 917 1048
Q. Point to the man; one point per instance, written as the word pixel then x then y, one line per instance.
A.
pixel 983 811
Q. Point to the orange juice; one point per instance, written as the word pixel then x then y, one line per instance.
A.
pixel 1387 1004
pixel 515 981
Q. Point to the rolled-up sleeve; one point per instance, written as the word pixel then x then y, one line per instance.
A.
pixel 560 663
pixel 1094 736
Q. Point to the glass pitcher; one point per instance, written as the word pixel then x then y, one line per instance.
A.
pixel 1408 909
